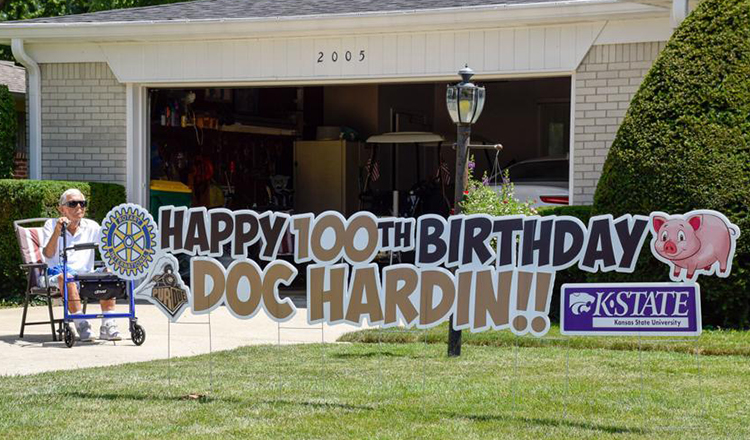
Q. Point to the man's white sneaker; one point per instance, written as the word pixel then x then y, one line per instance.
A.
pixel 109 332
pixel 84 331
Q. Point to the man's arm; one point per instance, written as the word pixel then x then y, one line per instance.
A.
pixel 50 248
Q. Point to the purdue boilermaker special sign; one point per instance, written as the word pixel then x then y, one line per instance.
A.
pixel 487 272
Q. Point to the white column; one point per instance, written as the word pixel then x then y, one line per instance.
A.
pixel 136 180
pixel 679 11
pixel 572 142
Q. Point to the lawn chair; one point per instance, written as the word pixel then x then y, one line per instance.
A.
pixel 31 241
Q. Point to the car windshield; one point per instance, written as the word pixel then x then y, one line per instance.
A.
pixel 540 171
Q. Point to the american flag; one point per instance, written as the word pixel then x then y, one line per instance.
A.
pixel 373 169
pixel 444 173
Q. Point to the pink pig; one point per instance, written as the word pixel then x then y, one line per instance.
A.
pixel 694 241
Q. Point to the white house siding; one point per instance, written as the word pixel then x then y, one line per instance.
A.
pixel 83 123
pixel 606 81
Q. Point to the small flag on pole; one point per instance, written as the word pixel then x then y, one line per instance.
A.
pixel 443 173
pixel 373 169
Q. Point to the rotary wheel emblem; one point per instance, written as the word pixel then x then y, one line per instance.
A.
pixel 128 241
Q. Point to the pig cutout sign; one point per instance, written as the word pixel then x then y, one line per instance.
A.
pixel 695 243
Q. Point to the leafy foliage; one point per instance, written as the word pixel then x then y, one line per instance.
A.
pixel 481 198
pixel 8 129
pixel 685 144
pixel 23 199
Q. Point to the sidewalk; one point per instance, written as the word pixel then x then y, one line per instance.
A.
pixel 36 352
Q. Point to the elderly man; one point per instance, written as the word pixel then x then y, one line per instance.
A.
pixel 79 230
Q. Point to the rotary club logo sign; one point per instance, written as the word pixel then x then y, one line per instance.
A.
pixel 128 241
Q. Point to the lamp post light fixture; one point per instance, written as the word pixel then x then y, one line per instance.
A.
pixel 465 102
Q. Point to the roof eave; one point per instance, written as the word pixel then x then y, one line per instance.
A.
pixel 417 20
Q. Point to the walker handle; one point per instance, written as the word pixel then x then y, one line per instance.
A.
pixel 82 247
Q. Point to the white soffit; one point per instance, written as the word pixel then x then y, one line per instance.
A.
pixel 505 51
pixel 636 31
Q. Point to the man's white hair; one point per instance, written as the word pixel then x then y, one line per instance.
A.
pixel 68 193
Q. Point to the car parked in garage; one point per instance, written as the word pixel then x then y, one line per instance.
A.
pixel 544 180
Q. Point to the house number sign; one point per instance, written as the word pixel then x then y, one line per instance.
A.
pixel 335 56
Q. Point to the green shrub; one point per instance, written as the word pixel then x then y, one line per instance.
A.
pixel 23 199
pixel 684 144
pixel 8 129
pixel 481 198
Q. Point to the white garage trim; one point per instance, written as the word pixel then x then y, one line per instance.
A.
pixel 136 181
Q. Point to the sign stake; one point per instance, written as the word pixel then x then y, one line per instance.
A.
pixel 169 354
pixel 210 356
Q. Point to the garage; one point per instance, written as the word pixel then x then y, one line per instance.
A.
pixel 305 148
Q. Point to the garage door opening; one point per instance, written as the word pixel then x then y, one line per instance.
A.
pixel 304 149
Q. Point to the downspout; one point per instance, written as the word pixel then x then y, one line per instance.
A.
pixel 679 11
pixel 34 96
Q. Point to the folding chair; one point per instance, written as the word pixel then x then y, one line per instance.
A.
pixel 31 241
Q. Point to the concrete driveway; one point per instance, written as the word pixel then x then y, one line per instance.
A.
pixel 36 352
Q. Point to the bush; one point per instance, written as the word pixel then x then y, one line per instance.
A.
pixel 8 129
pixel 23 199
pixel 481 198
pixel 684 144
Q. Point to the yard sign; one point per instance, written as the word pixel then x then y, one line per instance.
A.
pixel 488 272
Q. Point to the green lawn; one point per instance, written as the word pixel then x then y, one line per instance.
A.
pixel 391 391
pixel 710 343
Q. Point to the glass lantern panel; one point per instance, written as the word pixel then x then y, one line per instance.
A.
pixel 480 104
pixel 451 101
pixel 466 104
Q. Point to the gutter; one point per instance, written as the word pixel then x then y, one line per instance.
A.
pixel 34 87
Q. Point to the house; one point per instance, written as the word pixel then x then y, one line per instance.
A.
pixel 220 92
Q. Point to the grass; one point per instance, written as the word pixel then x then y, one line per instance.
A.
pixel 390 391
pixel 710 343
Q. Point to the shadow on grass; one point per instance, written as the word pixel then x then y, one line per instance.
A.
pixel 549 422
pixel 208 399
pixel 150 397
pixel 328 405
pixel 369 354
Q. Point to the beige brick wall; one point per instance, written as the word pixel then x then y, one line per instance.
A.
pixel 606 81
pixel 83 123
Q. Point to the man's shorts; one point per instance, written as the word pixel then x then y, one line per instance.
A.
pixel 54 274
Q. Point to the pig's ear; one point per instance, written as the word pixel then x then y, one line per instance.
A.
pixel 658 222
pixel 695 221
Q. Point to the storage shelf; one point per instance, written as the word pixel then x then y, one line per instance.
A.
pixel 248 129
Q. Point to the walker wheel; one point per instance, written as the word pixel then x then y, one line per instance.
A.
pixel 137 334
pixel 68 336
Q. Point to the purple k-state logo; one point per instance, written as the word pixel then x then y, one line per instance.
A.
pixel 648 309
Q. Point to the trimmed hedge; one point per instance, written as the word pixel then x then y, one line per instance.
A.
pixel 23 199
pixel 684 144
pixel 8 129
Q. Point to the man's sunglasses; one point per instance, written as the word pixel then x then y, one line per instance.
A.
pixel 74 203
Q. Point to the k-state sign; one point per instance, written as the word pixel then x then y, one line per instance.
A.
pixel 648 309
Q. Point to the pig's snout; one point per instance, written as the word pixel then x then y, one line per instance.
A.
pixel 670 247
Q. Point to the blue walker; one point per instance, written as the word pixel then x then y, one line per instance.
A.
pixel 97 286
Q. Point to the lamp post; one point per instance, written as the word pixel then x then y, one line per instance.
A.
pixel 465 101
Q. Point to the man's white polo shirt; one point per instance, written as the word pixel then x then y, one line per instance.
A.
pixel 80 261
